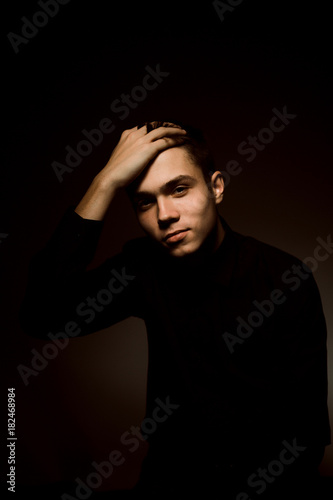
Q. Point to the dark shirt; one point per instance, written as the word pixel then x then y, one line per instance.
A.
pixel 237 344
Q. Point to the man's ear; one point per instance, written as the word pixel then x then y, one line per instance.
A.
pixel 217 186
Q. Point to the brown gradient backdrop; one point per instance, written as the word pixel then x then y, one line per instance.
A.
pixel 224 77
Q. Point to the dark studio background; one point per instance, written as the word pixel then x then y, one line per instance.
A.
pixel 225 77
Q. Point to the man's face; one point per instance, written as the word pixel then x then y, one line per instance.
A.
pixel 174 205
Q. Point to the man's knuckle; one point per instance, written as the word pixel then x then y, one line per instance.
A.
pixel 146 147
pixel 142 141
pixel 125 133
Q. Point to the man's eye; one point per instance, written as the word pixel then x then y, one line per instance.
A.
pixel 180 190
pixel 144 204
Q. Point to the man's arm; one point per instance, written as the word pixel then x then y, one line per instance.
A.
pixel 60 290
pixel 62 296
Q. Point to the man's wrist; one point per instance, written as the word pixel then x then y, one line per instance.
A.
pixel 97 199
pixel 104 184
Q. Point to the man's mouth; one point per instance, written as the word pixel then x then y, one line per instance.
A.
pixel 175 236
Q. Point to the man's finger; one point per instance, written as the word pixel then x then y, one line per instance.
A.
pixel 134 132
pixel 141 130
pixel 127 132
pixel 160 132
pixel 142 125
pixel 166 142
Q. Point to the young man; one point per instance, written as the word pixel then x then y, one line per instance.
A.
pixel 237 375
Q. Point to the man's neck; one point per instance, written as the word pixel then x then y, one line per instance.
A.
pixel 220 234
pixel 208 248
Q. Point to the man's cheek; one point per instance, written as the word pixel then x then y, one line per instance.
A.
pixel 194 205
pixel 146 219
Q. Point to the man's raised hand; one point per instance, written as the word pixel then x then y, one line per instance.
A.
pixel 134 151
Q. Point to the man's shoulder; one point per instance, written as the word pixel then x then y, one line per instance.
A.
pixel 263 255
pixel 262 263
pixel 257 246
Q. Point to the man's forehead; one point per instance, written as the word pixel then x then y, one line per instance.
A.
pixel 169 165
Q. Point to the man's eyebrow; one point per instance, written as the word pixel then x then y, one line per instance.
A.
pixel 167 186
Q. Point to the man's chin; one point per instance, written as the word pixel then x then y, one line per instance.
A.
pixel 181 251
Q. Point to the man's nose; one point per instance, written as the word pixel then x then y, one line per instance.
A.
pixel 166 211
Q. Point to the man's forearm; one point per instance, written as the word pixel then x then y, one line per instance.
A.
pixel 97 199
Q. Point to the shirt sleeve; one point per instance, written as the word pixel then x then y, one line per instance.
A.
pixel 63 296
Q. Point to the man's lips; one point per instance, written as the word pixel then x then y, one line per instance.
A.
pixel 175 236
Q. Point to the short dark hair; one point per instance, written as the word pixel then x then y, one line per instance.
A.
pixel 194 143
